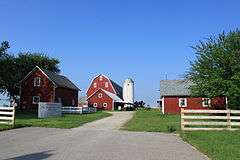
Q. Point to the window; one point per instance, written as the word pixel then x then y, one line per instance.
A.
pixel 101 78
pixel 59 100
pixel 95 85
pixel 37 81
pixel 100 95
pixel 206 102
pixel 95 104
pixel 182 102
pixel 105 105
pixel 106 84
pixel 73 102
pixel 36 99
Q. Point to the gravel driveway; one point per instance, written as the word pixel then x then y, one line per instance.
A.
pixel 99 140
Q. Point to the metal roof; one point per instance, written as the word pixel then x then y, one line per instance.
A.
pixel 113 96
pixel 175 87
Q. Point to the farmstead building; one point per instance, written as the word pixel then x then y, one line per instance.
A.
pixel 175 94
pixel 46 86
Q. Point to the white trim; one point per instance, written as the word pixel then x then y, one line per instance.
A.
pixel 94 93
pixel 95 85
pixel 209 102
pixel 179 102
pixel 106 78
pixel 100 95
pixel 163 111
pixel 106 85
pixel 95 105
pixel 33 102
pixel 35 80
pixel 33 71
pixel 105 104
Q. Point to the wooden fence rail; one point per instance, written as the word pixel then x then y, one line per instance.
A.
pixel 210 120
pixel 72 110
pixel 7 115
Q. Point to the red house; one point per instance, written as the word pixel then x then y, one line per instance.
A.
pixel 45 86
pixel 104 94
pixel 175 95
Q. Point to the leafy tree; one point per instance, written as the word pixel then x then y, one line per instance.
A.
pixel 3 49
pixel 139 104
pixel 216 70
pixel 14 68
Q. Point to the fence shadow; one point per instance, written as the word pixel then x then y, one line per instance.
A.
pixel 33 156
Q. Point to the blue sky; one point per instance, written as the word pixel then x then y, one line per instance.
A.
pixel 143 40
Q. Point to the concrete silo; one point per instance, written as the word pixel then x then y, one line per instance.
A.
pixel 128 92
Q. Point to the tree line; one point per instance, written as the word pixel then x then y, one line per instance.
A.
pixel 13 68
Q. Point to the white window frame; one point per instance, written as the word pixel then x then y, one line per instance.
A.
pixel 37 79
pixel 209 102
pixel 101 78
pixel 180 100
pixel 105 105
pixel 100 95
pixel 106 85
pixel 94 85
pixel 33 99
pixel 95 104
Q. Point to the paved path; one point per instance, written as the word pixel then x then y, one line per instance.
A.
pixel 99 140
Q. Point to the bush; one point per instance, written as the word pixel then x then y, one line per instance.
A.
pixel 171 129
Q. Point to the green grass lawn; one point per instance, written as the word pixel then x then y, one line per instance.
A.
pixel 217 145
pixel 66 121
pixel 153 121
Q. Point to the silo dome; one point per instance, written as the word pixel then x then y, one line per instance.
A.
pixel 128 91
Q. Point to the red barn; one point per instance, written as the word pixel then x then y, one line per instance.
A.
pixel 45 86
pixel 175 95
pixel 104 94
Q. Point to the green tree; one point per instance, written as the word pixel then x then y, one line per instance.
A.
pixel 216 70
pixel 14 68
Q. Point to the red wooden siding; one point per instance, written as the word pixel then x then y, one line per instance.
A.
pixel 28 90
pixel 100 84
pixel 105 99
pixel 68 97
pixel 171 104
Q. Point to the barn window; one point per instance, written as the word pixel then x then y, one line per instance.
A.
pixel 100 95
pixel 95 85
pixel 106 84
pixel 105 105
pixel 95 104
pixel 37 81
pixel 182 102
pixel 36 99
pixel 206 102
pixel 101 78
pixel 59 100
pixel 73 102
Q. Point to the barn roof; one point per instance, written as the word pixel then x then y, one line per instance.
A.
pixel 60 80
pixel 175 87
pixel 117 88
pixel 113 96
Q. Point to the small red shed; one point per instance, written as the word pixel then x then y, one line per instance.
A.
pixel 175 94
pixel 46 86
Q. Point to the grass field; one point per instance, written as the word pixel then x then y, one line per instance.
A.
pixel 153 121
pixel 217 145
pixel 66 121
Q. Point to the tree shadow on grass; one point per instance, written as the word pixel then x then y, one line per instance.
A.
pixel 33 156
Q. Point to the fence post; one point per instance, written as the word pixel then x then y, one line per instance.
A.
pixel 182 119
pixel 228 119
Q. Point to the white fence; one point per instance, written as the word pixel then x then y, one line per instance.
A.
pixel 78 110
pixel 46 109
pixel 7 115
pixel 72 110
pixel 207 120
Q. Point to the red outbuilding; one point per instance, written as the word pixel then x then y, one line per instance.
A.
pixel 104 94
pixel 175 94
pixel 46 86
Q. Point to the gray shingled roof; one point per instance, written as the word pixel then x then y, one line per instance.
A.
pixel 175 87
pixel 60 80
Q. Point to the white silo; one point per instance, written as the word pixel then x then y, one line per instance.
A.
pixel 128 92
